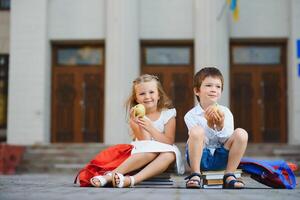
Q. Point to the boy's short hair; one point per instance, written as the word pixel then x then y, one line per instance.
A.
pixel 205 72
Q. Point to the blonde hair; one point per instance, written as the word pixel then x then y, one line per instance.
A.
pixel 163 102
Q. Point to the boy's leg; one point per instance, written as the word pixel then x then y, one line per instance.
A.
pixel 157 166
pixel 236 144
pixel 195 149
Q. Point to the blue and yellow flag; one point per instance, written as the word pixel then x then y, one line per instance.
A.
pixel 234 7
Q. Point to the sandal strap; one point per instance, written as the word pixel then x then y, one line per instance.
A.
pixel 228 175
pixel 121 180
pixel 132 181
pixel 101 179
pixel 231 184
pixel 194 180
pixel 109 173
pixel 192 175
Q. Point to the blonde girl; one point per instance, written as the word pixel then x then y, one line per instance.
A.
pixel 154 136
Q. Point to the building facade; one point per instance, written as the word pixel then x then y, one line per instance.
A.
pixel 72 63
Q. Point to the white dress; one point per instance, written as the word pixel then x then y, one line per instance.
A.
pixel 144 146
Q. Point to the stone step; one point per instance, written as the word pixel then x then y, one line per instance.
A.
pixel 70 158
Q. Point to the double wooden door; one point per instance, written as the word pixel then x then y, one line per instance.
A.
pixel 258 97
pixel 77 96
pixel 176 76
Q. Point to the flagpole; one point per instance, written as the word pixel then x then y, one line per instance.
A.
pixel 222 10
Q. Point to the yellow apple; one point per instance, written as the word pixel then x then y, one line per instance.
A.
pixel 215 107
pixel 139 110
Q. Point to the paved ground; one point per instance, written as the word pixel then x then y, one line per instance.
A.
pixel 61 187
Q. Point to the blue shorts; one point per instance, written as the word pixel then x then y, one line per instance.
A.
pixel 217 161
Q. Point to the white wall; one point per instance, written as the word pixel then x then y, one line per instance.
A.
pixel 262 18
pixel 293 77
pixel 41 21
pixel 166 19
pixel 4 31
pixel 29 74
pixel 76 19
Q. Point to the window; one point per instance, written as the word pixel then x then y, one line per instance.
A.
pixel 80 56
pixel 168 55
pixel 256 54
pixel 4 4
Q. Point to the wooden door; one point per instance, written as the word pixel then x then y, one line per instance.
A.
pixel 258 90
pixel 175 74
pixel 77 93
pixel 3 94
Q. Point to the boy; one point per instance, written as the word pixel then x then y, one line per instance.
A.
pixel 212 142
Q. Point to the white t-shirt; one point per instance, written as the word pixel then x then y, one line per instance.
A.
pixel 165 116
pixel 213 139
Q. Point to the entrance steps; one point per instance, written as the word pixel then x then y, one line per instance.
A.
pixel 58 158
pixel 70 158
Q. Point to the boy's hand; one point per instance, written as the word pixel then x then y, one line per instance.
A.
pixel 219 120
pixel 215 117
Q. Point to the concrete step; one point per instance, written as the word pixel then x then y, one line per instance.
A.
pixel 70 158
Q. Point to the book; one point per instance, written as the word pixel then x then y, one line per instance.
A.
pixel 157 182
pixel 212 181
pixel 219 174
pixel 212 186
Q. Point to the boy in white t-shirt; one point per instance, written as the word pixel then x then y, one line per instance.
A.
pixel 213 144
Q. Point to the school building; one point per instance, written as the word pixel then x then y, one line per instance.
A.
pixel 67 66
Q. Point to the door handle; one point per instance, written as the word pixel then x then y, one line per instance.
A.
pixel 82 104
pixel 259 101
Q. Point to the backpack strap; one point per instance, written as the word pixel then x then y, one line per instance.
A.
pixel 75 180
pixel 291 184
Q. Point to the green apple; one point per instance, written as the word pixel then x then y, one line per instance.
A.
pixel 139 110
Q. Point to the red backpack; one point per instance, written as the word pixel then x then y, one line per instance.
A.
pixel 104 161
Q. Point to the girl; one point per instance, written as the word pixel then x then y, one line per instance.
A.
pixel 154 136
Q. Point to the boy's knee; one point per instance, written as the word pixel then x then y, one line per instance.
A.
pixel 196 132
pixel 241 134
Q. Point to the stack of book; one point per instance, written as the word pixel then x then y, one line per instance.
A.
pixel 163 179
pixel 214 179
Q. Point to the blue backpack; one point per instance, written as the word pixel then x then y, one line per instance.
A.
pixel 273 173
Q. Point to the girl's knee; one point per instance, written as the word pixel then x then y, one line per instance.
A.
pixel 168 156
pixel 196 133
pixel 241 134
pixel 150 156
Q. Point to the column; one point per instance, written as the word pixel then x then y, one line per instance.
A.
pixel 122 65
pixel 29 75
pixel 212 39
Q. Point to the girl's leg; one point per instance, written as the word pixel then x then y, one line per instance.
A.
pixel 236 144
pixel 157 166
pixel 135 161
pixel 132 163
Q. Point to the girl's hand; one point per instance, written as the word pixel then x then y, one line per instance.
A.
pixel 133 118
pixel 145 123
